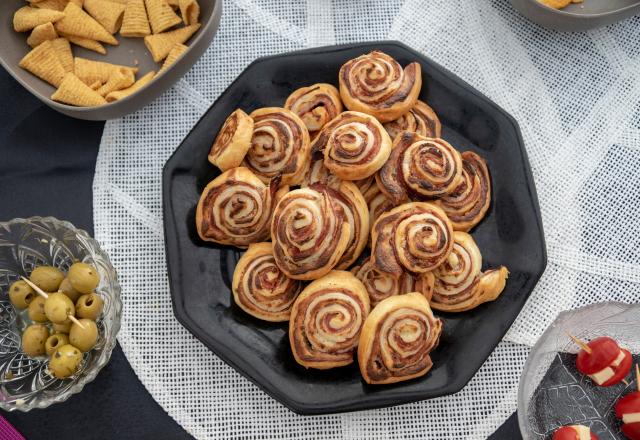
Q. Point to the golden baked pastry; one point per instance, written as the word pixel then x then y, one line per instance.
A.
pixel 232 142
pixel 397 338
pixel 376 84
pixel 419 168
pixel 310 233
pixel 417 237
pixel 316 105
pixel 279 146
pixel 318 173
pixel 468 203
pixel 378 204
pixel 348 197
pixel 326 320
pixel 460 283
pixel 235 208
pixel 259 286
pixel 355 145
pixel 421 119
pixel 558 4
pixel 381 285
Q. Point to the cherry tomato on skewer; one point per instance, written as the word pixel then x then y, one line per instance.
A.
pixel 603 361
pixel 574 432
pixel 628 410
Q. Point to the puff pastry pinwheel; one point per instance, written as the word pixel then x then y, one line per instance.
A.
pixel 468 203
pixel 310 233
pixel 378 204
pixel 416 236
pixel 397 338
pixel 279 146
pixel 355 145
pixel 235 208
pixel 419 168
pixel 326 320
pixel 381 285
pixel 318 173
pixel 316 105
pixel 460 284
pixel 421 119
pixel 232 142
pixel 259 286
pixel 376 84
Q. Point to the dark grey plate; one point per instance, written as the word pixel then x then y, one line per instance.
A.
pixel 580 16
pixel 200 272
pixel 13 46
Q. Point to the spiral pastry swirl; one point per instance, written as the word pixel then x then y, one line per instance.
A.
pixel 279 146
pixel 318 173
pixel 316 105
pixel 326 320
pixel 310 233
pixel 468 203
pixel 419 168
pixel 355 145
pixel 397 338
pixel 348 197
pixel 378 204
pixel 232 142
pixel 460 285
pixel 259 286
pixel 417 237
pixel 235 208
pixel 376 84
pixel 381 285
pixel 421 119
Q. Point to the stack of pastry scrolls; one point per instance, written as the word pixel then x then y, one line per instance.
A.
pixel 308 187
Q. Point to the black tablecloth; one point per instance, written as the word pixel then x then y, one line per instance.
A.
pixel 47 163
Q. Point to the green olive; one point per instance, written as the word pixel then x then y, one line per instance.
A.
pixel 63 327
pixel 54 342
pixel 21 294
pixel 89 306
pixel 83 277
pixel 84 337
pixel 36 310
pixel 58 307
pixel 34 338
pixel 67 289
pixel 48 278
pixel 65 361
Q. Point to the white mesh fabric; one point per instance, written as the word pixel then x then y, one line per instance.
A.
pixel 576 99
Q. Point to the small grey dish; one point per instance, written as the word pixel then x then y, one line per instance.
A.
pixel 578 16
pixel 129 52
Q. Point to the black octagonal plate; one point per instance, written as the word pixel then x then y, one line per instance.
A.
pixel 200 273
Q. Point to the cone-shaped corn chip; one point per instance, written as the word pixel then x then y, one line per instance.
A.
pixel 43 62
pixel 135 22
pixel 56 5
pixel 107 13
pixel 190 11
pixel 146 79
pixel 161 44
pixel 90 71
pixel 27 18
pixel 175 4
pixel 120 79
pixel 42 33
pixel 96 85
pixel 85 42
pixel 80 3
pixel 79 23
pixel 122 2
pixel 175 53
pixel 161 16
pixel 75 92
pixel 63 51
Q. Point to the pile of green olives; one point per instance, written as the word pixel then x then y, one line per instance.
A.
pixel 52 332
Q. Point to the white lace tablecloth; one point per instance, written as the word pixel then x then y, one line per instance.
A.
pixel 576 99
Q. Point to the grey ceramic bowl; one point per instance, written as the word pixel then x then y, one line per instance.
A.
pixel 13 46
pixel 580 16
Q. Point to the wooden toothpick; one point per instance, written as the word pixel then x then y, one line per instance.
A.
pixel 45 295
pixel 581 343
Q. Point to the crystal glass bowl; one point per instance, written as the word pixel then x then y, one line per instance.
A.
pixel 552 393
pixel 25 382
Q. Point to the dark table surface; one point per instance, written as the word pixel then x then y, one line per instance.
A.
pixel 47 163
